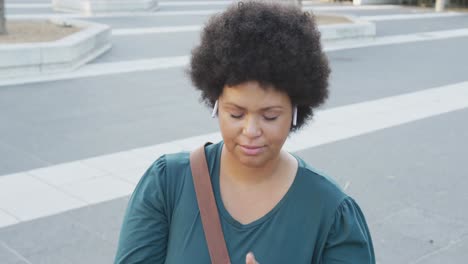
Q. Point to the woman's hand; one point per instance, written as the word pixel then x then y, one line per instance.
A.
pixel 250 259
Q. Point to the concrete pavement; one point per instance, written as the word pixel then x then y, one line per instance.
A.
pixel 408 177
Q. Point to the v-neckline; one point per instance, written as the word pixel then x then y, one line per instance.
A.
pixel 224 213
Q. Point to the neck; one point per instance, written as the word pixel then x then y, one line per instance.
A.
pixel 238 173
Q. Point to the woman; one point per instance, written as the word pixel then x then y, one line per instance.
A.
pixel 261 67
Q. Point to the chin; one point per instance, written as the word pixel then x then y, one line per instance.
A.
pixel 253 161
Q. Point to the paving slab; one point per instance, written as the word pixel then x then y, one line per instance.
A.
pixel 51 201
pixel 86 235
pixel 61 175
pixel 44 234
pixel 87 250
pixel 399 180
pixel 104 219
pixel 455 252
pixel 418 230
pixel 7 219
pixel 8 256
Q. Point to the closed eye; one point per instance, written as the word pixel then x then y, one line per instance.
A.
pixel 237 116
pixel 270 118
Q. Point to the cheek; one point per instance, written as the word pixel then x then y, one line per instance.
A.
pixel 229 128
pixel 277 131
pixel 277 137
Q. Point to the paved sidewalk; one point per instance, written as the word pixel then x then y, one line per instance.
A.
pixel 72 147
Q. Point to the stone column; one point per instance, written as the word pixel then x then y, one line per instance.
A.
pixel 104 6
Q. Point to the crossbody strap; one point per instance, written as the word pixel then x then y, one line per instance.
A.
pixel 208 209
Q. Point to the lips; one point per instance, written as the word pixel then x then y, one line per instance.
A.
pixel 251 150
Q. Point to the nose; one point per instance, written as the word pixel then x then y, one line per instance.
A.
pixel 252 127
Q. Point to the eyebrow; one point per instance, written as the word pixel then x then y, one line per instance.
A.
pixel 263 109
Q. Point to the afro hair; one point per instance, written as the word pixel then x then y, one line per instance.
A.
pixel 276 45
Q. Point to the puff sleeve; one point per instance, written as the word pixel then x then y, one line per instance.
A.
pixel 348 240
pixel 144 232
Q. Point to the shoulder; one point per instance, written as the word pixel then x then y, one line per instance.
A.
pixel 320 184
pixel 170 173
pixel 179 163
pixel 167 164
pixel 340 212
pixel 164 175
pixel 348 236
pixel 314 189
pixel 169 169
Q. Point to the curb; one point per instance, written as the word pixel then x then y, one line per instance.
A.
pixel 357 29
pixel 104 6
pixel 67 54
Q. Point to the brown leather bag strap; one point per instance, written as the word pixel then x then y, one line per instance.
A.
pixel 208 209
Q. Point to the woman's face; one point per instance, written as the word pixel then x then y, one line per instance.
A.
pixel 254 122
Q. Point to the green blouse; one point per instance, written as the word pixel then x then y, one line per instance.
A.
pixel 315 222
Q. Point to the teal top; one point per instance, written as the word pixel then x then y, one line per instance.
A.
pixel 315 222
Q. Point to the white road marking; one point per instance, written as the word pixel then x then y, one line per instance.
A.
pixel 411 16
pixel 357 119
pixel 108 68
pixel 27 196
